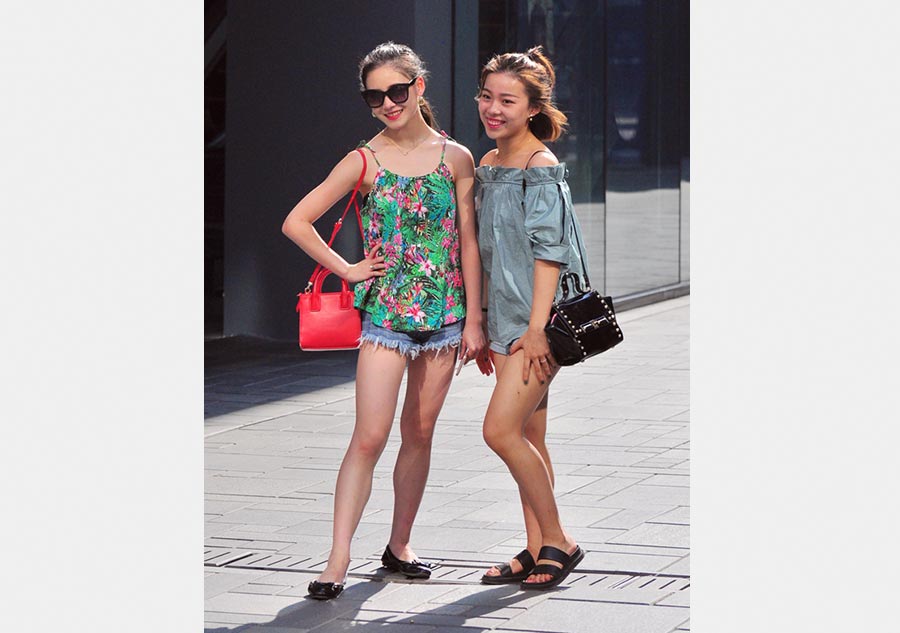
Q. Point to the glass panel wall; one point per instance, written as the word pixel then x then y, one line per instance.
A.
pixel 571 33
pixel 622 81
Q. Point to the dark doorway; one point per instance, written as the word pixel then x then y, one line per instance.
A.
pixel 214 168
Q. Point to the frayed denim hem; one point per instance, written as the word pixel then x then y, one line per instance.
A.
pixel 408 349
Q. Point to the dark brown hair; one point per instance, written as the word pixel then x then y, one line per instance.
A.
pixel 536 73
pixel 404 60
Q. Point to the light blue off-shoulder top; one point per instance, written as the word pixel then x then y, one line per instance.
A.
pixel 523 215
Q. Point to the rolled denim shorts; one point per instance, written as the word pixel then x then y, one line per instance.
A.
pixel 411 344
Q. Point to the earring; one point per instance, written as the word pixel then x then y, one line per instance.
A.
pixel 421 100
pixel 373 114
pixel 530 119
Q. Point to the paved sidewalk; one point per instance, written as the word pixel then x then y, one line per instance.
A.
pixel 278 422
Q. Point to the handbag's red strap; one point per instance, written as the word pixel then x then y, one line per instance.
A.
pixel 340 223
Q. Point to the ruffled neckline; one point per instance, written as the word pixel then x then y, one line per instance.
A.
pixel 532 175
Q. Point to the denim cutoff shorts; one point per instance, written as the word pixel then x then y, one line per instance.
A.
pixel 411 344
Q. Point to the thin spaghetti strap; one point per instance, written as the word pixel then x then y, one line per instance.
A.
pixel 443 148
pixel 532 156
pixel 369 147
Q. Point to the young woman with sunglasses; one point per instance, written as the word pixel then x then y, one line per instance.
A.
pixel 419 290
pixel 527 233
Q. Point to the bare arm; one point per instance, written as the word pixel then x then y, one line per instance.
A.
pixel 298 225
pixel 473 335
pixel 546 280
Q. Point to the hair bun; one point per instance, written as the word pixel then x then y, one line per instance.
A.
pixel 537 55
pixel 535 52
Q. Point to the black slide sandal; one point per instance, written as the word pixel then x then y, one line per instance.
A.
pixel 506 576
pixel 568 562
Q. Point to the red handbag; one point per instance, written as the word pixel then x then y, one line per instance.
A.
pixel 328 320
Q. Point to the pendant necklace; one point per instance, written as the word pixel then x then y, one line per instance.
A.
pixel 400 149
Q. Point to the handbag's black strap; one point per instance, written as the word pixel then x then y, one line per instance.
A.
pixel 584 268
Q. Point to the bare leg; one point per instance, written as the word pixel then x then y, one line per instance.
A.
pixel 428 382
pixel 535 433
pixel 378 375
pixel 512 405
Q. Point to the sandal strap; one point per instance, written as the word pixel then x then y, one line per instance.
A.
pixel 525 559
pixel 548 552
pixel 552 570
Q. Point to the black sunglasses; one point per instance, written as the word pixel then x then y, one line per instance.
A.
pixel 398 93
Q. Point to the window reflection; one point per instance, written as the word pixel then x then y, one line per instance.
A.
pixel 622 81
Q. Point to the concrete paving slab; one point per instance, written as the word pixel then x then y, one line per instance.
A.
pixel 265 605
pixel 248 544
pixel 591 538
pixel 628 518
pixel 633 590
pixel 411 596
pixel 454 540
pixel 682 566
pixel 641 494
pixel 214 529
pixel 677 516
pixel 225 580
pixel 678 599
pixel 622 394
pixel 493 598
pixel 650 550
pixel 247 516
pixel 667 480
pixel 274 629
pixel 220 622
pixel 219 507
pixel 461 623
pixel 583 455
pixel 592 617
pixel 610 561
pixel 669 397
pixel 656 534
pixel 341 625
pixel 606 486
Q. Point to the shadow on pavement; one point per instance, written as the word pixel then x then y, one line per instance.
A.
pixel 243 371
pixel 338 615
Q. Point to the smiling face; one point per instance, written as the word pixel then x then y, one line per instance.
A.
pixel 503 106
pixel 395 115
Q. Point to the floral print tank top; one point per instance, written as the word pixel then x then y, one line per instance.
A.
pixel 415 220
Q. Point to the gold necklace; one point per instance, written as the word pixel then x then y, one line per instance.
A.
pixel 400 149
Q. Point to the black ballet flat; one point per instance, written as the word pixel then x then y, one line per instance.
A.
pixel 410 569
pixel 324 590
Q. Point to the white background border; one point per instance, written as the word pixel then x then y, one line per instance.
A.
pixel 794 316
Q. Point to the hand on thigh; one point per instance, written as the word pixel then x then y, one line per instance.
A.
pixel 513 401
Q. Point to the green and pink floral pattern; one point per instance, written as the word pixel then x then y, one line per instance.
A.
pixel 415 220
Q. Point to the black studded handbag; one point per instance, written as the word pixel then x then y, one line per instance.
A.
pixel 582 325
